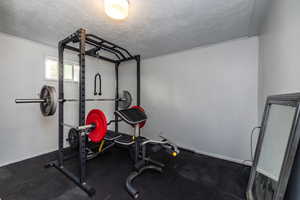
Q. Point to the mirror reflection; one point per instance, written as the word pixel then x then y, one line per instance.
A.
pixel 273 149
pixel 275 141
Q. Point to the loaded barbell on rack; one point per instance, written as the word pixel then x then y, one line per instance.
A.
pixel 48 100
pixel 95 128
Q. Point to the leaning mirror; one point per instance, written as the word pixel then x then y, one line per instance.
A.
pixel 276 148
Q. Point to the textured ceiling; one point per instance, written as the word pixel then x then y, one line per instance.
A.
pixel 154 27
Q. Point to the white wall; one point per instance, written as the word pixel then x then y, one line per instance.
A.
pixel 279 60
pixel 204 99
pixel 199 98
pixel 279 50
pixel 24 132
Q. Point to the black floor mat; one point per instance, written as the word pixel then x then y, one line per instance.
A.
pixel 188 177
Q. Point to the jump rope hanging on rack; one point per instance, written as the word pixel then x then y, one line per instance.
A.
pixel 98 75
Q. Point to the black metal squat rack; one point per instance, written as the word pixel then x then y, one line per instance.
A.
pixel 97 46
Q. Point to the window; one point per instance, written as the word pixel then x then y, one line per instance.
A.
pixel 71 70
pixel 76 73
pixel 51 69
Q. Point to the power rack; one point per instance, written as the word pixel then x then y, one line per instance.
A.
pixel 94 46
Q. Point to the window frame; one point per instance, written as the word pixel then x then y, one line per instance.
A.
pixel 66 62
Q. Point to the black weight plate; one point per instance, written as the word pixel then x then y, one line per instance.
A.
pixel 126 100
pixel 73 138
pixel 48 108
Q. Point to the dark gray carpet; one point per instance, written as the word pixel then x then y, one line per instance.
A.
pixel 188 177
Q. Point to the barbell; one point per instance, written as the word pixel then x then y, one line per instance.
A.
pixel 48 100
pixel 95 127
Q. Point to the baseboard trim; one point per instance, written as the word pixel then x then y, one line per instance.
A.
pixel 218 156
pixel 26 157
pixel 213 155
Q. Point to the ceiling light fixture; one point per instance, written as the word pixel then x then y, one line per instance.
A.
pixel 116 9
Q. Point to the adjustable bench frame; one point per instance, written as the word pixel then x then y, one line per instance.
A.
pixel 142 162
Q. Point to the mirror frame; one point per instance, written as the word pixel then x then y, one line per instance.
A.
pixel 292 100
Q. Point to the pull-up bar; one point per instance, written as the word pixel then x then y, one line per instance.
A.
pixel 99 45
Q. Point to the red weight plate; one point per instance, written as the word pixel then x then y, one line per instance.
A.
pixel 98 118
pixel 142 124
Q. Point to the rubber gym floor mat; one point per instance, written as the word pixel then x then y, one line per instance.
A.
pixel 189 176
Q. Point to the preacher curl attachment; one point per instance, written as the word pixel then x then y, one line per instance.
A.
pixel 141 124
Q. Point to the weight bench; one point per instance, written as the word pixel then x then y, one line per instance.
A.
pixel 142 162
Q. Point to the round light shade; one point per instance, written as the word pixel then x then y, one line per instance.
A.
pixel 116 9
